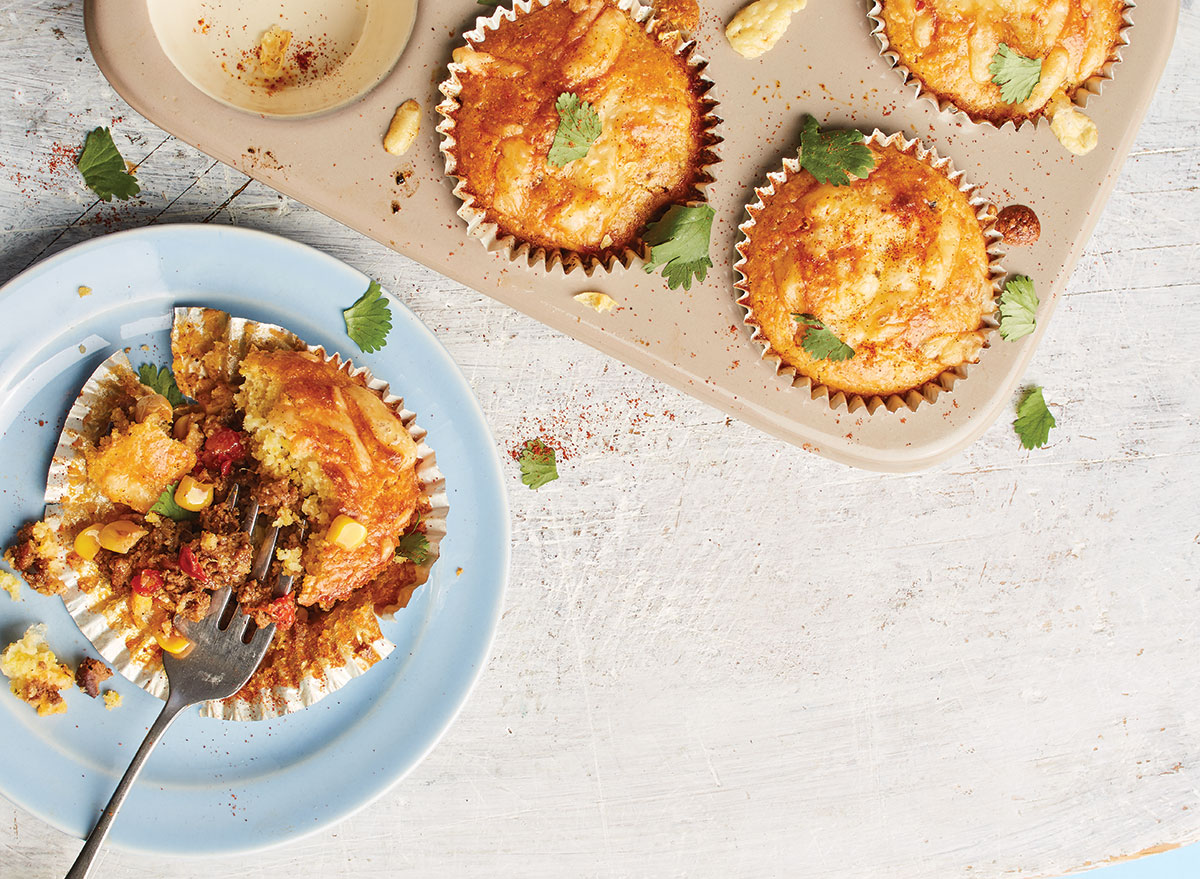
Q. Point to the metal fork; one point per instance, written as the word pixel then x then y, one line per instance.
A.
pixel 217 664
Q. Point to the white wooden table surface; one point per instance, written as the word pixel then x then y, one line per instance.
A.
pixel 724 656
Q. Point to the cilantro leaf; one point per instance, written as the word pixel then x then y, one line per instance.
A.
pixel 679 243
pixel 819 341
pixel 538 463
pixel 1015 74
pixel 161 381
pixel 1033 419
pixel 1018 308
pixel 578 128
pixel 834 156
pixel 369 320
pixel 103 169
pixel 166 506
pixel 414 547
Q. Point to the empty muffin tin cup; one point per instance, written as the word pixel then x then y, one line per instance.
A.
pixel 336 51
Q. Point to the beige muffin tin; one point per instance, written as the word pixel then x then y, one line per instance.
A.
pixel 828 64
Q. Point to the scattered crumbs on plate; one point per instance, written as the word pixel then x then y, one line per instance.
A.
pixel 83 349
pixel 594 299
pixel 458 573
pixel 112 699
pixel 84 291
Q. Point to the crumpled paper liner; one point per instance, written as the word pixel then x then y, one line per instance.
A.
pixel 70 501
pixel 515 249
pixel 834 397
pixel 1093 85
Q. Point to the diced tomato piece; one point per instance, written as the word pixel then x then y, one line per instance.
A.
pixel 190 565
pixel 146 582
pixel 283 611
pixel 222 450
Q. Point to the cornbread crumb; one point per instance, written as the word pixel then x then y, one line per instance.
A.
pixel 11 585
pixel 683 14
pixel 90 675
pixel 598 302
pixel 759 26
pixel 272 50
pixel 290 560
pixel 1075 130
pixel 458 573
pixel 36 676
pixel 112 699
pixel 84 291
pixel 406 125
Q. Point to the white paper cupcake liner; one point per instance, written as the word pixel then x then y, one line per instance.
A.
pixel 1093 85
pixel 517 250
pixel 834 397
pixel 69 502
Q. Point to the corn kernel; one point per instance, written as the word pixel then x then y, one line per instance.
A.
pixel 87 542
pixel 173 643
pixel 193 495
pixel 121 536
pixel 347 533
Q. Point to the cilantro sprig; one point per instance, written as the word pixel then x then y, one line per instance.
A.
pixel 538 462
pixel 1018 308
pixel 578 127
pixel 369 320
pixel 161 380
pixel 103 169
pixel 834 156
pixel 166 506
pixel 1034 419
pixel 1016 75
pixel 679 244
pixel 413 546
pixel 819 341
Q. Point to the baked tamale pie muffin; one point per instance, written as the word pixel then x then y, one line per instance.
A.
pixel 1002 60
pixel 254 463
pixel 874 286
pixel 570 124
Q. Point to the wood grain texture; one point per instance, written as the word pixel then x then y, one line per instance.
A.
pixel 721 655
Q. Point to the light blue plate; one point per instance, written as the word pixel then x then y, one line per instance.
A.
pixel 215 786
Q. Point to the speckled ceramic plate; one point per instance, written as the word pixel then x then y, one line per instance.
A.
pixel 828 64
pixel 248 785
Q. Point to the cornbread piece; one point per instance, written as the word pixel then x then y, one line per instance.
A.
pixel 90 675
pixel 112 699
pixel 1019 225
pixel 36 676
pixel 650 115
pixel 134 463
pixel 350 454
pixel 35 554
pixel 895 265
pixel 949 45
pixel 11 585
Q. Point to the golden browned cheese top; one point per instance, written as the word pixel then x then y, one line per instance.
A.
pixel 646 154
pixel 949 45
pixel 363 450
pixel 894 265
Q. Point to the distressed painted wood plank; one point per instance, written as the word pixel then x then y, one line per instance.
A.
pixel 721 655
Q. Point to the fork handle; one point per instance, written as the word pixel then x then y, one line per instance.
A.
pixel 87 857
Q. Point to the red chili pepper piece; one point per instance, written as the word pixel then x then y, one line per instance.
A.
pixel 146 582
pixel 190 565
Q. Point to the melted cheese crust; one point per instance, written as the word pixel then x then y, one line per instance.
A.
pixel 949 44
pixel 365 457
pixel 895 265
pixel 645 157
